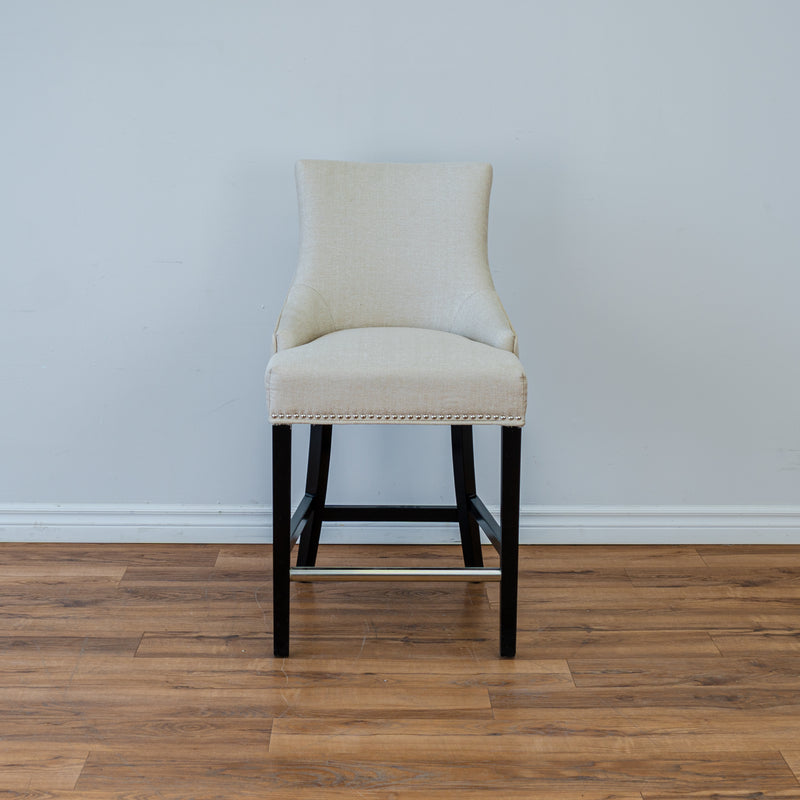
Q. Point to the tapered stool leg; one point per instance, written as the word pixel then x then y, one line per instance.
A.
pixel 509 549
pixel 319 457
pixel 464 478
pixel 281 543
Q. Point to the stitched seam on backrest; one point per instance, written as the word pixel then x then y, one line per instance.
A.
pixel 324 302
pixel 461 306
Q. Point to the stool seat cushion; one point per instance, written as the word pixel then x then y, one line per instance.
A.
pixel 396 375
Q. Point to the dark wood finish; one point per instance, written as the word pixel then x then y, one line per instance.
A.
pixel 319 458
pixel 509 539
pixel 642 673
pixel 281 535
pixel 464 480
pixel 469 511
pixel 338 513
pixel 487 522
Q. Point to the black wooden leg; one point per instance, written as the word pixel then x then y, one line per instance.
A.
pixel 281 544
pixel 319 458
pixel 509 550
pixel 464 477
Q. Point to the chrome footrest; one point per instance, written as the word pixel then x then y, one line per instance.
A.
pixel 308 574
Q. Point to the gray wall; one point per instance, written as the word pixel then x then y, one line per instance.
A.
pixel 644 236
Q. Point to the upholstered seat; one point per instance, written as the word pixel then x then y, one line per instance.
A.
pixel 398 375
pixel 393 318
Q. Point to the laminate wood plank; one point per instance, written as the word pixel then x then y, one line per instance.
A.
pixel 680 600
pixel 240 592
pixel 253 790
pixel 554 558
pixel 382 596
pixel 723 580
pixel 247 613
pixel 749 556
pixel 41 768
pixel 771 672
pixel 514 749
pixel 792 757
pixel 579 556
pixel 244 557
pixel 351 629
pixel 138 704
pixel 217 621
pixel 146 576
pixel 156 597
pixel 307 669
pixel 576 579
pixel 423 649
pixel 43 670
pixel 43 572
pixel 108 731
pixel 144 699
pixel 596 733
pixel 527 670
pixel 725 794
pixel 736 590
pixel 32 647
pixel 177 645
pixel 704 614
pixel 260 558
pixel 522 702
pixel 17 598
pixel 579 643
pixel 561 724
pixel 547 558
pixel 756 643
pixel 129 620
pixel 26 553
pixel 182 674
pixel 675 772
pixel 620 596
pixel 427 643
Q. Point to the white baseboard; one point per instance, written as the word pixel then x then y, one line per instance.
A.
pixel 538 525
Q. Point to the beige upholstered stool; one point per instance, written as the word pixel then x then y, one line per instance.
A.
pixel 393 318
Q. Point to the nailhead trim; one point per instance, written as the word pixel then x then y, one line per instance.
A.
pixel 493 417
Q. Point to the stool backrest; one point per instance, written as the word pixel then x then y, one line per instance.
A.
pixel 393 245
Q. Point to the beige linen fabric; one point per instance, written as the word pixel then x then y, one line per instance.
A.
pixel 392 315
pixel 403 375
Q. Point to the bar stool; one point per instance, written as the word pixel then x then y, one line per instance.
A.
pixel 393 319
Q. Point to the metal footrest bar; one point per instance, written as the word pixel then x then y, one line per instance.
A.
pixel 472 574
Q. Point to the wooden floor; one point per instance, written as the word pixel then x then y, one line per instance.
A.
pixel 144 672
